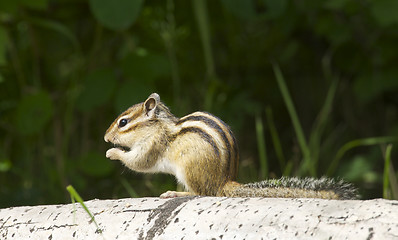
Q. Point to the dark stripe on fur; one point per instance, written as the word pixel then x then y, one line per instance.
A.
pixel 202 134
pixel 213 124
pixel 148 123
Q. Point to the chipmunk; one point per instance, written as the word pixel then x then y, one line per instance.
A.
pixel 201 151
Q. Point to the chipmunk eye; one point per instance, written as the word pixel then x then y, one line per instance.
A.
pixel 123 122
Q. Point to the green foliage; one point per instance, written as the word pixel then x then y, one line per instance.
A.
pixel 308 162
pixel 33 113
pixel 3 47
pixel 95 164
pixel 262 154
pixel 384 12
pixel 116 15
pixel 76 197
pixel 97 90
pixel 68 68
pixel 386 180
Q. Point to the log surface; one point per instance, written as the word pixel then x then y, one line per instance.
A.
pixel 205 218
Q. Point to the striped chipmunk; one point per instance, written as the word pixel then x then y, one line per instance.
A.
pixel 201 151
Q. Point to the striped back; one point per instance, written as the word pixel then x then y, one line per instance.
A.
pixel 218 134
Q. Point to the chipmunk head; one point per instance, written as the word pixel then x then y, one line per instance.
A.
pixel 139 124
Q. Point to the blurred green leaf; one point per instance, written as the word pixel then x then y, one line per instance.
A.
pixel 335 31
pixel 141 70
pixel 131 93
pixel 385 11
pixel 3 45
pixel 275 8
pixel 33 113
pixel 118 14
pixel 368 86
pixel 357 169
pixel 335 4
pixel 241 8
pixel 356 143
pixel 146 67
pixel 57 27
pixel 11 6
pixel 8 6
pixel 97 89
pixel 95 164
pixel 287 53
pixel 34 4
pixel 5 165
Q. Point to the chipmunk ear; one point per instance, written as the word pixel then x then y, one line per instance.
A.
pixel 151 102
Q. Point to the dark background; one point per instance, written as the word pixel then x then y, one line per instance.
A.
pixel 69 67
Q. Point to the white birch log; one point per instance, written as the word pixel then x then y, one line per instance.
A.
pixel 205 218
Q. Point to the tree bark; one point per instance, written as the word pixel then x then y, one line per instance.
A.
pixel 205 218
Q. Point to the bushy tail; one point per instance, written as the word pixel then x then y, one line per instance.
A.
pixel 293 187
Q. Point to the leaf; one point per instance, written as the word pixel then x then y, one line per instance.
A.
pixel 95 164
pixel 131 93
pixel 368 86
pixel 118 14
pixel 385 11
pixel 3 46
pixel 145 67
pixel 356 169
pixel 5 165
pixel 11 6
pixel 33 113
pixel 275 8
pixel 336 32
pixel 36 4
pixel 8 6
pixel 76 196
pixel 57 27
pixel 241 8
pixel 356 143
pixel 98 88
pixel 335 4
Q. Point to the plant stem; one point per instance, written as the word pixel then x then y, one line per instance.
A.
pixel 295 121
pixel 262 152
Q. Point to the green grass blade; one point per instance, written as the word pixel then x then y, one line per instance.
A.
pixel 73 193
pixel 200 10
pixel 393 181
pixel 262 152
pixel 275 138
pixel 319 126
pixel 168 35
pixel 129 189
pixel 356 143
pixel 386 178
pixel 288 169
pixel 306 165
pixel 202 20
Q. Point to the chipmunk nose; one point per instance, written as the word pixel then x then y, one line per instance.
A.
pixel 106 138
